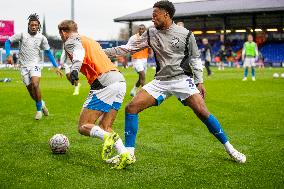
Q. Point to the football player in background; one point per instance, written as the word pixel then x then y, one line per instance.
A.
pixel 139 60
pixel 207 54
pixel 32 42
pixel 177 57
pixel 222 54
pixel 249 55
pixel 181 24
pixel 107 91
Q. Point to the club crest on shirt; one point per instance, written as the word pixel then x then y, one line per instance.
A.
pixel 174 42
pixel 78 39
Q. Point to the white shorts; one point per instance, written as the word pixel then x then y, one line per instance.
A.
pixel 249 62
pixel 181 88
pixel 110 97
pixel 27 72
pixel 140 64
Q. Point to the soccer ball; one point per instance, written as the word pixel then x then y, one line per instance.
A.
pixel 275 75
pixel 59 144
pixel 282 75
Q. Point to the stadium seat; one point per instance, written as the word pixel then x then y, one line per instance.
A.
pixel 273 52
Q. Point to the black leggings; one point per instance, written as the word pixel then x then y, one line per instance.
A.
pixel 207 66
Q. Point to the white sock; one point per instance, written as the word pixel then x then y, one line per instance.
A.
pixel 131 150
pixel 119 146
pixel 134 89
pixel 229 148
pixel 98 132
pixel 76 88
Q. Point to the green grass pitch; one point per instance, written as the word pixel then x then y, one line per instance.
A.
pixel 174 149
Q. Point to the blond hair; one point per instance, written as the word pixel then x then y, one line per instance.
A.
pixel 68 26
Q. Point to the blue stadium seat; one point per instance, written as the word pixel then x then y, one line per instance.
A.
pixel 273 52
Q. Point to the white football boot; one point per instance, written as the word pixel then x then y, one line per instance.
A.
pixel 237 156
pixel 44 109
pixel 38 115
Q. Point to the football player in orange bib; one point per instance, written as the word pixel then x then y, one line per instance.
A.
pixel 107 91
pixel 139 60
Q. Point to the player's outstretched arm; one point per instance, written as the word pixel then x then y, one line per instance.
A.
pixel 52 60
pixel 14 38
pixel 133 45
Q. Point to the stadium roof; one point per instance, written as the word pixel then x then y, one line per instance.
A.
pixel 211 7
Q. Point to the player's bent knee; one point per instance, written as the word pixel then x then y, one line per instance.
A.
pixel 131 108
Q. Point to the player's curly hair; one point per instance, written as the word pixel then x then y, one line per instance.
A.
pixel 167 6
pixel 34 17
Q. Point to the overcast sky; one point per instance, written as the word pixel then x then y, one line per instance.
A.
pixel 94 17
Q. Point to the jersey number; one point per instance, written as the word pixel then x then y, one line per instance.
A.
pixel 190 83
pixel 37 68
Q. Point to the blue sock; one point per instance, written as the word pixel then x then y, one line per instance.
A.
pixel 215 128
pixel 246 71
pixel 38 105
pixel 252 71
pixel 130 129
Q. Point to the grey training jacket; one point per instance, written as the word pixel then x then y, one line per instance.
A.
pixel 175 51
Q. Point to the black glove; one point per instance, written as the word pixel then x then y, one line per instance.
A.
pixel 74 77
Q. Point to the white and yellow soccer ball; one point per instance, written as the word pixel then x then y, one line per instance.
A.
pixel 59 144
pixel 275 75
pixel 282 75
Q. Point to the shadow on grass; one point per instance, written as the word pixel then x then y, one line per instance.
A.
pixel 79 158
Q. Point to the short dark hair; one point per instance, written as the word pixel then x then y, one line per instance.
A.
pixel 167 6
pixel 34 17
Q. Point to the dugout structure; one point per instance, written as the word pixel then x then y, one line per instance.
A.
pixel 225 18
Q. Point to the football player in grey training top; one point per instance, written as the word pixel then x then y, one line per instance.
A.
pixel 179 73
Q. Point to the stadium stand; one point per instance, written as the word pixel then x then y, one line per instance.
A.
pixel 228 22
pixel 221 22
pixel 273 52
